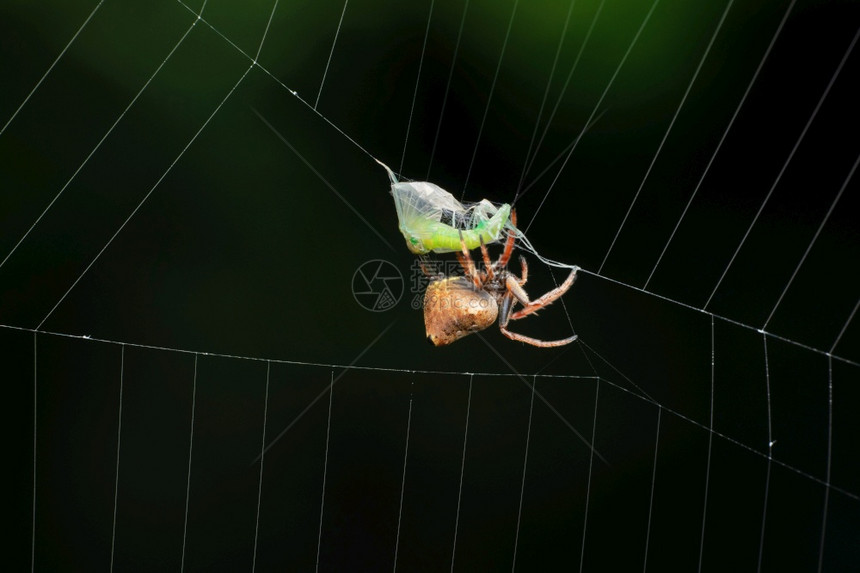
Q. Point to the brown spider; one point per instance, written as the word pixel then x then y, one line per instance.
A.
pixel 456 306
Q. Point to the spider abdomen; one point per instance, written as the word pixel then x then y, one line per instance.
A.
pixel 453 308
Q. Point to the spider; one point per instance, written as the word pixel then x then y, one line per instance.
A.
pixel 456 306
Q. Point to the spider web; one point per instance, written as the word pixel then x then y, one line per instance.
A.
pixel 189 188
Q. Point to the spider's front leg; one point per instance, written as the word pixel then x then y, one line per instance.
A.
pixel 524 271
pixel 505 314
pixel 488 265
pixel 509 244
pixel 427 268
pixel 545 300
pixel 467 264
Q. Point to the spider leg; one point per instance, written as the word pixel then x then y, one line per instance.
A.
pixel 423 261
pixel 545 300
pixel 467 264
pixel 535 341
pixel 505 314
pixel 525 271
pixel 509 244
pixel 515 289
pixel 486 255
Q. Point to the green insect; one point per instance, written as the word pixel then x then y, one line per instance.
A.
pixel 431 219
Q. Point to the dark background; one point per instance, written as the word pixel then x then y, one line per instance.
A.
pixel 238 269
